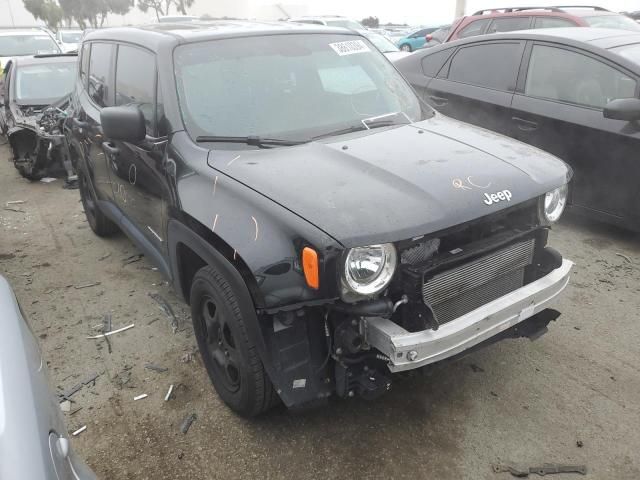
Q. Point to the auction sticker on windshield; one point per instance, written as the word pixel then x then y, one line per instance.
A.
pixel 350 47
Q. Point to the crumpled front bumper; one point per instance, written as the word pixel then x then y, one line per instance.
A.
pixel 409 350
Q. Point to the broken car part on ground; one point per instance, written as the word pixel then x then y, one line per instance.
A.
pixel 319 253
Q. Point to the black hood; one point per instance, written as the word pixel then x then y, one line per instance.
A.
pixel 398 183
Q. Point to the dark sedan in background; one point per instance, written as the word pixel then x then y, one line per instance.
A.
pixel 572 91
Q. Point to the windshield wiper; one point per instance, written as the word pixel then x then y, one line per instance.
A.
pixel 359 128
pixel 250 140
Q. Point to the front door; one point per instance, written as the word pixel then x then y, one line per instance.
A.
pixel 138 170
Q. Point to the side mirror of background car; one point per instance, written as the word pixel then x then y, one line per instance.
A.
pixel 623 109
pixel 125 124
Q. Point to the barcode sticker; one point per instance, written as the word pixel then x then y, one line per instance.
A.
pixel 350 47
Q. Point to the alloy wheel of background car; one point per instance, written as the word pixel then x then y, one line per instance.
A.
pixel 406 47
pixel 229 356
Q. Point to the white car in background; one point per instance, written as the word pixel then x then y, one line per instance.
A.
pixel 330 21
pixel 69 40
pixel 386 46
pixel 20 42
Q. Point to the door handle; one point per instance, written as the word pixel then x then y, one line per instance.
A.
pixel 110 149
pixel 525 125
pixel 439 101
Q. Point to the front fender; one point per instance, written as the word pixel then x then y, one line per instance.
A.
pixel 262 235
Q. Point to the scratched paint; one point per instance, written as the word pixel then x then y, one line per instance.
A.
pixel 215 221
pixel 233 160
pixel 215 185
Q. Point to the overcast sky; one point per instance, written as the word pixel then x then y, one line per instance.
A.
pixel 414 12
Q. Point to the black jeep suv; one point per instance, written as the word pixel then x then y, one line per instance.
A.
pixel 326 227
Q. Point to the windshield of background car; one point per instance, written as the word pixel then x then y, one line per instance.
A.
pixel 18 45
pixel 71 37
pixel 44 84
pixel 382 43
pixel 631 52
pixel 612 21
pixel 293 86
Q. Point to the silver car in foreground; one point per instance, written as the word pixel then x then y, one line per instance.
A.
pixel 34 444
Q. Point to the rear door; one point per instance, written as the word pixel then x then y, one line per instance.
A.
pixel 558 107
pixel 97 93
pixel 477 83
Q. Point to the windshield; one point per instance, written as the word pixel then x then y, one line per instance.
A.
pixel 71 37
pixel 382 43
pixel 288 86
pixel 631 52
pixel 44 84
pixel 19 45
pixel 612 21
pixel 345 24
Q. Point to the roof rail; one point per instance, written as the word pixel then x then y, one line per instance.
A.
pixel 515 9
pixel 594 7
pixel 554 8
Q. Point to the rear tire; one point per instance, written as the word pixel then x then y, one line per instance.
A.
pixel 231 359
pixel 405 47
pixel 98 221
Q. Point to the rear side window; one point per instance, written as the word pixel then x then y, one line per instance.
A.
pixel 431 64
pixel 136 82
pixel 474 28
pixel 100 73
pixel 84 63
pixel 568 76
pixel 509 24
pixel 552 22
pixel 490 65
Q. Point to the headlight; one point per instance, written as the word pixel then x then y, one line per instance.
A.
pixel 368 270
pixel 554 203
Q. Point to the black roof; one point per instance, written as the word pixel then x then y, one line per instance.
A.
pixel 598 37
pixel 161 34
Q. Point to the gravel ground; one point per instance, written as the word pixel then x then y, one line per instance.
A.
pixel 573 396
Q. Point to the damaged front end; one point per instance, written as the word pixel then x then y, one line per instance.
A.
pixel 451 292
pixel 38 142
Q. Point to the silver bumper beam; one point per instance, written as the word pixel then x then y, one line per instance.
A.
pixel 407 350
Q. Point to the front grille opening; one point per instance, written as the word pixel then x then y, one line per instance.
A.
pixel 459 290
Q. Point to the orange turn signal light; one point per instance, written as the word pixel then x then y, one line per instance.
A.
pixel 311 267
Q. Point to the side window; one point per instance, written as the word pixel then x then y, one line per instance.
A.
pixel 136 82
pixel 568 76
pixel 431 64
pixel 474 28
pixel 490 65
pixel 420 33
pixel 100 74
pixel 509 24
pixel 84 63
pixel 552 22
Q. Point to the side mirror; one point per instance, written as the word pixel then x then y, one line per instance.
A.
pixel 125 124
pixel 428 37
pixel 627 109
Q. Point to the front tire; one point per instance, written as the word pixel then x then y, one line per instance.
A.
pixel 231 359
pixel 405 47
pixel 98 221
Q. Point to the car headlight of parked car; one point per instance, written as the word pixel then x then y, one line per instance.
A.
pixel 553 204
pixel 368 270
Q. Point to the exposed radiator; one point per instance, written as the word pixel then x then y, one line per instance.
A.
pixel 454 292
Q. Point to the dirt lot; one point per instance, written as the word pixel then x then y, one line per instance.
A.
pixel 527 402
